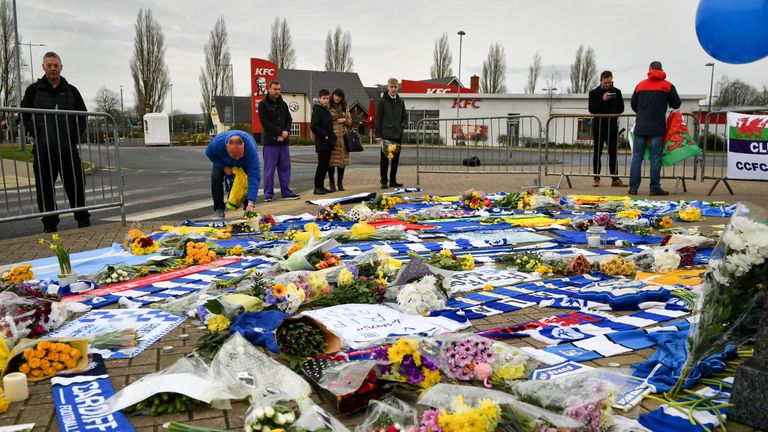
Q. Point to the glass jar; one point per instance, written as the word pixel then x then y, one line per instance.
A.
pixel 596 236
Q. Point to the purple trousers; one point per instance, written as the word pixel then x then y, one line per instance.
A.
pixel 276 157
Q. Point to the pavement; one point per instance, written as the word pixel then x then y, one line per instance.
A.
pixel 39 407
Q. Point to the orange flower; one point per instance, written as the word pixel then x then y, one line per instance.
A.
pixel 75 353
pixel 39 353
pixel 34 362
pixel 44 364
pixel 44 345
pixel 57 366
pixel 36 373
pixel 24 369
pixel 29 353
pixel 70 364
pixel 54 348
pixel 64 357
pixel 52 356
pixel 50 371
pixel 279 290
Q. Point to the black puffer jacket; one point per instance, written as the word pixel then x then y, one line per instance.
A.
pixel 54 133
pixel 391 117
pixel 322 128
pixel 275 118
pixel 650 101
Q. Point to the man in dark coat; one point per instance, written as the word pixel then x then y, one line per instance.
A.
pixel 391 118
pixel 276 121
pixel 55 142
pixel 606 99
pixel 325 139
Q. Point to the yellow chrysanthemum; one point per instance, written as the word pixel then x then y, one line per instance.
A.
pixel 217 323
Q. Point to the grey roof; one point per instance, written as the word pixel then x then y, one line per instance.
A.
pixel 242 107
pixel 310 82
pixel 374 93
pixel 443 81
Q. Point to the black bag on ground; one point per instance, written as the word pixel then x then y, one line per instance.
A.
pixel 352 142
pixel 471 162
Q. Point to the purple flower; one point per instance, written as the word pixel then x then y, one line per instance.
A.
pixel 380 355
pixel 202 313
pixel 463 360
pixel 465 375
pixel 411 371
pixel 269 297
pixel 429 421
pixel 428 363
pixel 385 369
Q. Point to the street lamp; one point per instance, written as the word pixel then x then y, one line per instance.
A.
pixel 122 113
pixel 711 82
pixel 31 70
pixel 549 91
pixel 171 108
pixel 458 93
pixel 232 77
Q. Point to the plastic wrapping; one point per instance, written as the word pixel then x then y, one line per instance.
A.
pixel 582 397
pixel 189 376
pixel 388 411
pixel 347 385
pixel 244 371
pixel 299 259
pixel 517 416
pixel 268 413
pixel 314 419
pixel 346 377
pixel 419 297
pixel 23 316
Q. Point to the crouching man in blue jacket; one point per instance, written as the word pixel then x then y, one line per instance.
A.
pixel 233 149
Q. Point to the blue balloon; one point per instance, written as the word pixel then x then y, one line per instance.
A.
pixel 733 31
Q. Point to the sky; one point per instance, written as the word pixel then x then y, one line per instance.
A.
pixel 394 38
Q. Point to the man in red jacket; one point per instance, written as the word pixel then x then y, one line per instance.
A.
pixel 650 101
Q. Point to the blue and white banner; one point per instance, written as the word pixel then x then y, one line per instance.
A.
pixel 81 401
pixel 747 146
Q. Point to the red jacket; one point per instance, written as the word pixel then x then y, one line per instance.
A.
pixel 650 101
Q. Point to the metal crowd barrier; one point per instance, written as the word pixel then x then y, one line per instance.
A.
pixel 43 149
pixel 480 145
pixel 569 149
pixel 714 161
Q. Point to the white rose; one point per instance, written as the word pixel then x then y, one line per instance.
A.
pixel 269 411
pixel 123 272
pixel 248 428
pixel 114 275
pixel 290 417
pixel 266 429
pixel 258 413
pixel 279 419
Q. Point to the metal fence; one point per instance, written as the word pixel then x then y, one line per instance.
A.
pixel 569 150
pixel 714 161
pixel 40 146
pixel 481 145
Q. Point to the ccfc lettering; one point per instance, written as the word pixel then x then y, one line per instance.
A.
pixel 264 71
pixel 466 103
pixel 751 166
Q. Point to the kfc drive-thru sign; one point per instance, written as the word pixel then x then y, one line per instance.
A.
pixel 408 86
pixel 262 72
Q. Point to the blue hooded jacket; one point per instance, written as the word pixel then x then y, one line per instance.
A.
pixel 217 153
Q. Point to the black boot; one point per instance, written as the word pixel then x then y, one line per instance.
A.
pixel 331 181
pixel 319 191
pixel 341 179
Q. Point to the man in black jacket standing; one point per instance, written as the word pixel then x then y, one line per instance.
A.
pixel 276 121
pixel 606 99
pixel 325 139
pixel 391 118
pixel 55 142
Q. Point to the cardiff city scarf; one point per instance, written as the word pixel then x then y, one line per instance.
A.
pixel 81 401
pixel 668 418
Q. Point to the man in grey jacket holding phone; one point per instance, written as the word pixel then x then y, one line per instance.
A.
pixel 606 99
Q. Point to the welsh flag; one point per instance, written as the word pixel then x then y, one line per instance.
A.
pixel 678 142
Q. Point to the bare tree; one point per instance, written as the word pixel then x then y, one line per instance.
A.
pixel 281 50
pixel 148 68
pixel 215 76
pixel 8 55
pixel 338 51
pixel 583 71
pixel 734 93
pixel 552 82
pixel 107 101
pixel 442 58
pixel 534 70
pixel 494 71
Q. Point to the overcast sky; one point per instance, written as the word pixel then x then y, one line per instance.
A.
pixel 392 38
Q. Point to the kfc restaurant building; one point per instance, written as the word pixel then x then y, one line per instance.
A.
pixel 425 100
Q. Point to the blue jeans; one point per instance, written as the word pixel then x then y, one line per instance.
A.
pixel 638 151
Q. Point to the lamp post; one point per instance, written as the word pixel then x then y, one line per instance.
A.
pixel 31 70
pixel 122 113
pixel 549 91
pixel 711 83
pixel 232 77
pixel 458 93
pixel 171 108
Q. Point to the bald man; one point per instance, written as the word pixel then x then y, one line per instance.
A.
pixel 233 149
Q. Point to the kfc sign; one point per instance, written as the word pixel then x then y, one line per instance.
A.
pixel 262 72
pixel 422 87
pixel 466 103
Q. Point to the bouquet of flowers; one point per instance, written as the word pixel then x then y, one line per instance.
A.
pixel 580 397
pixel 331 213
pixel 631 214
pixel 43 359
pixel 660 260
pixel 689 214
pixel 300 339
pixel 242 227
pixel 484 416
pixel 569 265
pixel 510 200
pixel 26 314
pixel 312 284
pixel 664 222
pixel 267 418
pixel 468 358
pixel 286 298
pixel 422 296
pixel 18 274
pixel 407 361
pixel 474 200
pixel 266 223
pixel 62 253
pixel 616 266
pixel 115 339
pixel 323 259
pixel 353 288
pixel 388 415
pixel 144 246
pixel 601 219
pixel 360 212
pixel 198 253
pixel 115 274
pixel 385 202
pixel 528 262
pixel 734 292
pixel 349 385
pixel 447 260
pixel 389 148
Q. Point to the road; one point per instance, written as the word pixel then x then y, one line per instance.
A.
pixel 173 183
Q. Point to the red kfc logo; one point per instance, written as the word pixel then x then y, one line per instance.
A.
pixel 466 103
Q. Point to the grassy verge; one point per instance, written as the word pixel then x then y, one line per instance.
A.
pixel 14 152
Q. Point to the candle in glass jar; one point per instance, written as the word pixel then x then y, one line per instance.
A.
pixel 15 387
